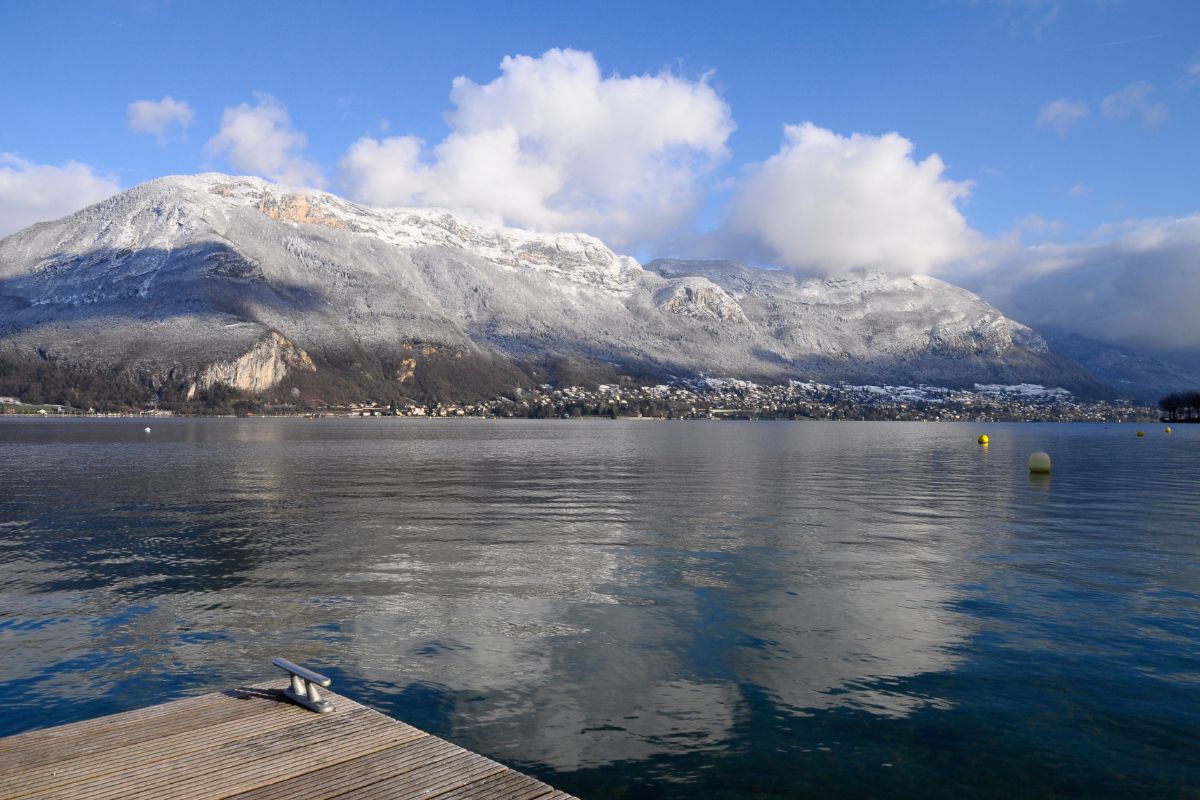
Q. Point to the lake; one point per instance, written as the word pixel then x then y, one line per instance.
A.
pixel 635 609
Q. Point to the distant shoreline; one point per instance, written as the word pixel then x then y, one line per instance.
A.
pixel 701 399
pixel 587 418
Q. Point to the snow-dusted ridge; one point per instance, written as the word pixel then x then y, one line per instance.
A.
pixel 211 196
pixel 185 272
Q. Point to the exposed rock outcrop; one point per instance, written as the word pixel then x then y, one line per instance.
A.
pixel 701 298
pixel 264 366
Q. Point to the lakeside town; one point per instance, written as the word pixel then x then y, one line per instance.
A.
pixel 716 399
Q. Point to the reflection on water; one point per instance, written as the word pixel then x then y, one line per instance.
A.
pixel 634 609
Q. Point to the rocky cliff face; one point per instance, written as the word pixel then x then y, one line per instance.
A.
pixel 260 368
pixel 700 298
pixel 243 282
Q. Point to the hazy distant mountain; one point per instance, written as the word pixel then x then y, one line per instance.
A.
pixel 210 278
pixel 876 328
pixel 1132 374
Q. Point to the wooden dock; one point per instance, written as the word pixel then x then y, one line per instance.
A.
pixel 253 744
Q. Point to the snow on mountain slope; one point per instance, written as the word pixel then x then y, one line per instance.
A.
pixel 199 277
pixel 864 317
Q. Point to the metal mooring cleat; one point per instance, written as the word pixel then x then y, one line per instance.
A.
pixel 303 690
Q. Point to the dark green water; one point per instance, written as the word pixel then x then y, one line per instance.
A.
pixel 636 609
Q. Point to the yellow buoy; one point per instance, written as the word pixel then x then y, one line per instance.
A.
pixel 1141 433
pixel 983 438
pixel 1039 463
pixel 1168 430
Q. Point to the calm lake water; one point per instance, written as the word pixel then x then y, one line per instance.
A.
pixel 636 609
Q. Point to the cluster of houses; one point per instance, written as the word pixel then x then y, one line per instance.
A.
pixel 13 405
pixel 712 398
pixel 739 399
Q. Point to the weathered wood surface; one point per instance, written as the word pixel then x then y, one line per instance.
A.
pixel 251 744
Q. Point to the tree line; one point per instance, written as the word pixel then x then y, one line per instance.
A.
pixel 1181 406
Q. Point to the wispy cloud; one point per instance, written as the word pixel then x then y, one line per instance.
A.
pixel 158 117
pixel 1062 115
pixel 1135 100
pixel 1037 227
pixel 1117 43
pixel 1036 15
pixel 105 20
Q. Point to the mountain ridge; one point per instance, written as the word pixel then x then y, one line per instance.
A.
pixel 188 281
pixel 1133 374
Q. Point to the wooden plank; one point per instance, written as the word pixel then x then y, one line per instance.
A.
pixel 267 760
pixel 174 719
pixel 93 764
pixel 262 766
pixel 433 780
pixel 199 767
pixel 337 779
pixel 249 744
pixel 507 785
pixel 128 721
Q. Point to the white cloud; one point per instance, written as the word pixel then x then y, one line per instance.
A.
pixel 1037 226
pixel 32 192
pixel 1062 115
pixel 259 139
pixel 1133 285
pixel 1136 99
pixel 1078 190
pixel 157 117
pixel 832 203
pixel 552 144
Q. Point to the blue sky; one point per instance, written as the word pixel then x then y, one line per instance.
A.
pixel 964 80
pixel 1059 122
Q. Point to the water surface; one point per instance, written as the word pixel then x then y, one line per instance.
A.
pixel 636 609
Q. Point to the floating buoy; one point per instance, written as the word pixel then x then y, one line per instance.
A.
pixel 147 430
pixel 1168 430
pixel 983 438
pixel 1039 463
pixel 1141 433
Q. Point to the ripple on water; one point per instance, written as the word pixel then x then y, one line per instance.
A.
pixel 636 609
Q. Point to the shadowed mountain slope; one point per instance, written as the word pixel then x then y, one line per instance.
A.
pixel 206 279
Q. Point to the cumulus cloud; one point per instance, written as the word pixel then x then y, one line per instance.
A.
pixel 553 144
pixel 158 117
pixel 1133 285
pixel 1135 100
pixel 1062 115
pixel 32 192
pixel 832 203
pixel 259 139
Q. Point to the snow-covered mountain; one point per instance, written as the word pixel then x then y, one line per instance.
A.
pixel 211 278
